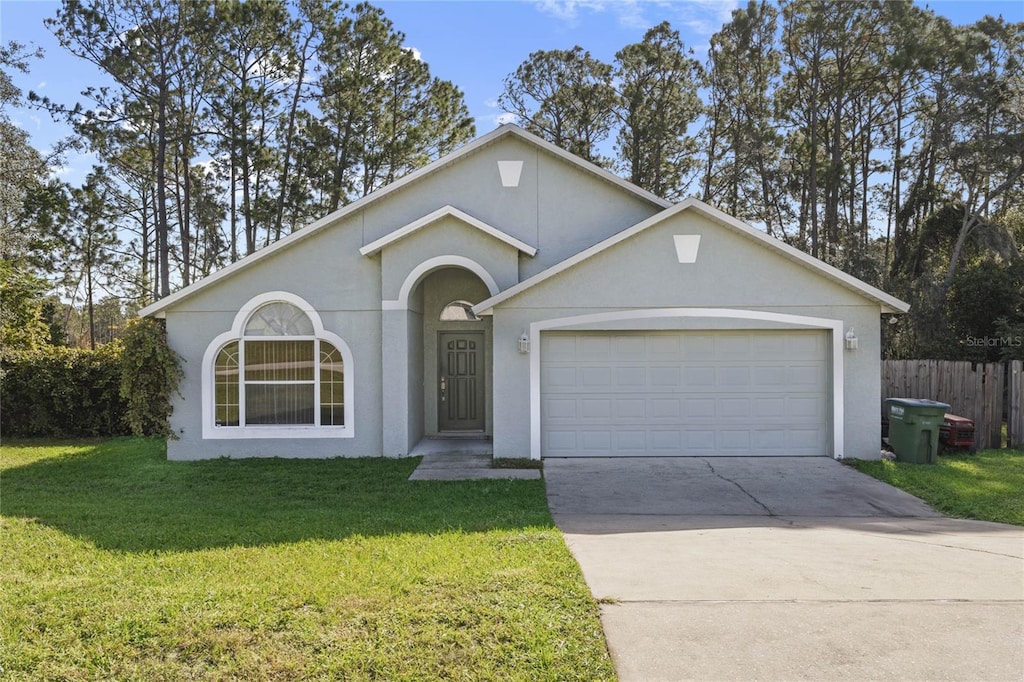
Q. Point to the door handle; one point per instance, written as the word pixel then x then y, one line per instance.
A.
pixel 444 388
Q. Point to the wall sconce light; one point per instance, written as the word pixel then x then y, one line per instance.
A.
pixel 851 340
pixel 524 343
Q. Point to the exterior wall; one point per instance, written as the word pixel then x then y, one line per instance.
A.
pixel 344 287
pixel 189 333
pixel 730 272
pixel 556 207
pixel 417 425
pixel 448 236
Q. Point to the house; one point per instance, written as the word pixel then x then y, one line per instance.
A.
pixel 514 291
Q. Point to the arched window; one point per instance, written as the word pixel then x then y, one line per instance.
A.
pixel 458 311
pixel 282 370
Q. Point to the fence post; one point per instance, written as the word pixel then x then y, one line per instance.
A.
pixel 1015 415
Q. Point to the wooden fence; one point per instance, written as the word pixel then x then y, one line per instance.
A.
pixel 983 392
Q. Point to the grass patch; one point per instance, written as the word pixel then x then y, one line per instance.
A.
pixel 516 463
pixel 988 485
pixel 121 565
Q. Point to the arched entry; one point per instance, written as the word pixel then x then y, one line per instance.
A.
pixel 430 389
pixel 456 357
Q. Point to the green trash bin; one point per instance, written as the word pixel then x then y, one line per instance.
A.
pixel 914 428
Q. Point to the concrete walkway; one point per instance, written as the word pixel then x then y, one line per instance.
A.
pixel 787 569
pixel 461 459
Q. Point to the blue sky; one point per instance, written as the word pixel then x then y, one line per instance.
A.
pixel 474 44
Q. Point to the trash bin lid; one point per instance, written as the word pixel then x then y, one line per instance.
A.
pixel 917 402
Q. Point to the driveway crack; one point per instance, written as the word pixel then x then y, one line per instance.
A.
pixel 740 487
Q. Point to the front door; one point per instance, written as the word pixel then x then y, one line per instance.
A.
pixel 460 397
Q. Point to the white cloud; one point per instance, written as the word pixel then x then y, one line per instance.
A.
pixel 631 14
pixel 704 17
pixel 492 103
pixel 504 118
pixel 568 10
pixel 42 84
pixel 416 54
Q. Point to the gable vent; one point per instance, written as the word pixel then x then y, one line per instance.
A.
pixel 510 172
pixel 686 247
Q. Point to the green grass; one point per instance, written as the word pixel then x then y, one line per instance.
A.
pixel 988 485
pixel 117 564
pixel 517 463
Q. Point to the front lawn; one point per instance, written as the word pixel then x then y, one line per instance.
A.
pixel 117 564
pixel 988 485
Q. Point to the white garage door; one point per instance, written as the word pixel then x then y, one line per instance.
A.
pixel 684 393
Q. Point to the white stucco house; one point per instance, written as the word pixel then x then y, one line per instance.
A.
pixel 514 291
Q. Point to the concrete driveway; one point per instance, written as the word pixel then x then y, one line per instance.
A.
pixel 787 569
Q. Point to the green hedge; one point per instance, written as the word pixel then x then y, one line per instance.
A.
pixel 62 392
pixel 117 389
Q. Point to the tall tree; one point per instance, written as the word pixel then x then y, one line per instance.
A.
pixel 144 48
pixel 23 170
pixel 564 96
pixel 254 77
pixel 658 102
pixel 986 152
pixel 742 144
pixel 90 242
pixel 380 113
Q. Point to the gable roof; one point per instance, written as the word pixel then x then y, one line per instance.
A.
pixel 889 304
pixel 160 307
pixel 433 217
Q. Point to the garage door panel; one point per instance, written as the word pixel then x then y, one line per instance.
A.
pixel 631 441
pixel 770 439
pixel 663 347
pixel 559 377
pixel 734 376
pixel 629 347
pixel 631 377
pixel 804 375
pixel 698 376
pixel 714 393
pixel 700 407
pixel 731 348
pixel 698 347
pixel 596 408
pixel 631 408
pixel 596 441
pixel 560 443
pixel 595 377
pixel 665 408
pixel 698 441
pixel 733 440
pixel 593 347
pixel 770 408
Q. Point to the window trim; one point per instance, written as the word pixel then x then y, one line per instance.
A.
pixel 237 333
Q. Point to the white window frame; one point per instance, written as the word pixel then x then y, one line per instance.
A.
pixel 237 333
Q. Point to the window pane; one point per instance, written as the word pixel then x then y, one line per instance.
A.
pixel 279 319
pixel 279 404
pixel 458 311
pixel 332 386
pixel 225 372
pixel 278 361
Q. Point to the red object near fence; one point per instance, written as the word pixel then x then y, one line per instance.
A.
pixel 956 431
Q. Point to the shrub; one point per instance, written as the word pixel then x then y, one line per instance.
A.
pixel 151 371
pixel 117 389
pixel 53 391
